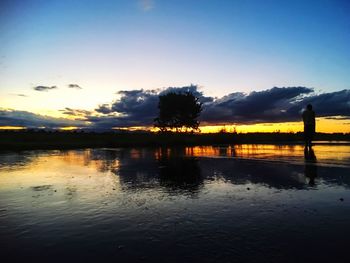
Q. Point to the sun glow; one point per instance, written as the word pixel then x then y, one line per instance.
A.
pixel 71 128
pixel 12 128
pixel 322 125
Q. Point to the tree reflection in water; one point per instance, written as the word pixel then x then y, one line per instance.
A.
pixel 134 204
pixel 180 174
pixel 188 168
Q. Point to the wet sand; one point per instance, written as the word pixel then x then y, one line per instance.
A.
pixel 256 203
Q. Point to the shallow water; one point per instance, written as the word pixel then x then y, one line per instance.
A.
pixel 257 203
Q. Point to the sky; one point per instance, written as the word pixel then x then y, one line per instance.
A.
pixel 103 63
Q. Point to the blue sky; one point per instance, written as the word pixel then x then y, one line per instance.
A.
pixel 222 46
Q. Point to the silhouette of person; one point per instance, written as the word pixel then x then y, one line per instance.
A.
pixel 310 165
pixel 309 125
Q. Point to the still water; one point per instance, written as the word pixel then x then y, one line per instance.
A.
pixel 256 203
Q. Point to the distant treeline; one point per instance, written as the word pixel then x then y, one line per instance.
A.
pixel 13 140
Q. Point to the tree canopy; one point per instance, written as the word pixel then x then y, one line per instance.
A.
pixel 178 111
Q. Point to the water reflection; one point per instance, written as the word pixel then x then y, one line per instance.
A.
pixel 135 203
pixel 180 173
pixel 310 165
pixel 328 155
pixel 181 168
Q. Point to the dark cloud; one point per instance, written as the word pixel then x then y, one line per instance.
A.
pixel 272 105
pixel 140 107
pixel 74 86
pixel 330 104
pixel 134 108
pixel 137 107
pixel 44 88
pixel 108 122
pixel 27 119
pixel 278 104
pixel 104 109
pixel 76 112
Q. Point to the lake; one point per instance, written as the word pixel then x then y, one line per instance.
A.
pixel 256 203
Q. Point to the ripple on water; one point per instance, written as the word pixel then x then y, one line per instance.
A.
pixel 176 204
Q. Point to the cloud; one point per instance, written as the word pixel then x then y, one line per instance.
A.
pixel 44 88
pixel 137 107
pixel 134 108
pixel 146 5
pixel 104 109
pixel 272 105
pixel 19 95
pixel 140 107
pixel 76 112
pixel 330 104
pixel 278 104
pixel 74 86
pixel 10 117
pixel 275 105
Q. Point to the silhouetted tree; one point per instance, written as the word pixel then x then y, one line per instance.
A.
pixel 178 111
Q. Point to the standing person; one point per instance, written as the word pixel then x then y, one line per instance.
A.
pixel 309 125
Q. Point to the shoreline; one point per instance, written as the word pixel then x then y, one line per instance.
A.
pixel 74 140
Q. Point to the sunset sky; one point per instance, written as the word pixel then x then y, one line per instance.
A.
pixel 102 64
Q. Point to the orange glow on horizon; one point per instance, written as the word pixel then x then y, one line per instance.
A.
pixel 12 128
pixel 70 128
pixel 322 125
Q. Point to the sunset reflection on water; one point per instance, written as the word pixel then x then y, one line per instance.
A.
pixel 101 167
pixel 137 202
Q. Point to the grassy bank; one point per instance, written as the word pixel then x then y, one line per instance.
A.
pixel 12 140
